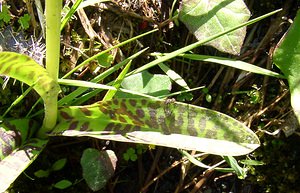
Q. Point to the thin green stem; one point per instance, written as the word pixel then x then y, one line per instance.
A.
pixel 53 16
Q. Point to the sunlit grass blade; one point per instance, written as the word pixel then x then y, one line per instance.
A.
pixel 117 83
pixel 202 165
pixel 18 100
pixel 69 14
pixel 240 172
pixel 232 63
pixel 173 75
pixel 87 84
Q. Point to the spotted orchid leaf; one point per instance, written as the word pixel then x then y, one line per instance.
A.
pixel 13 134
pixel 17 161
pixel 17 150
pixel 162 123
pixel 25 69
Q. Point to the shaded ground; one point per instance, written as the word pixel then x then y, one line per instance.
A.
pixel 264 106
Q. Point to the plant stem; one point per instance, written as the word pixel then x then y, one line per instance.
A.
pixel 53 16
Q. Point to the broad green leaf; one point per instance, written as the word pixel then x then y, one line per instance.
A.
pixel 4 14
pixel 62 184
pixel 287 58
pixel 147 83
pixel 42 173
pixel 163 123
pixel 207 18
pixel 97 167
pixel 105 60
pixel 24 21
pixel 59 164
pixel 14 164
pixel 117 83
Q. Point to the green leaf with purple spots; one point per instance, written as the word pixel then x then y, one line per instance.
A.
pixel 25 69
pixel 162 123
pixel 17 161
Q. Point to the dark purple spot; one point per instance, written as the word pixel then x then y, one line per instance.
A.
pixel 127 128
pixel 65 115
pixel 136 128
pixel 112 115
pixel 140 113
pixel 73 125
pixel 84 126
pixel 86 111
pixel 123 104
pixel 109 127
pixel 144 102
pixel 163 125
pixel 117 128
pixel 6 150
pixel 191 128
pixel 152 123
pixel 121 130
pixel 174 124
pixel 132 102
pixel 103 109
pixel 122 119
pixel 115 101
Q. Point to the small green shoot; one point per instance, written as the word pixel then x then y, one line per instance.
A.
pixel 24 21
pixel 208 97
pixel 56 166
pixel 130 154
pixel 4 16
pixel 63 184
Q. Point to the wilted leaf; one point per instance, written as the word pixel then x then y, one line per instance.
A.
pixel 207 18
